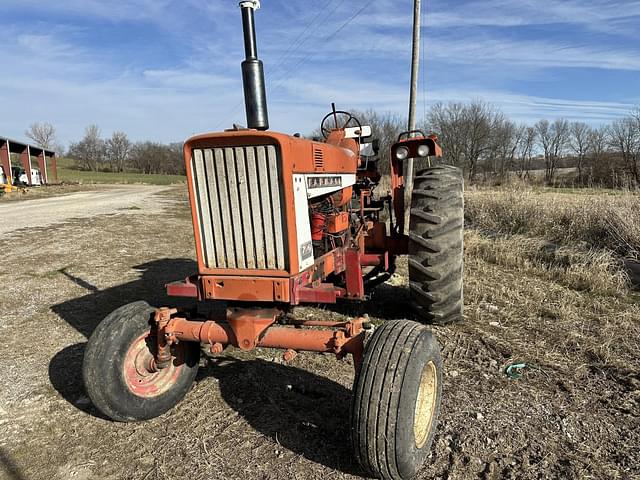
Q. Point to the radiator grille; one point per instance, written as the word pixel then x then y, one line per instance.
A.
pixel 240 207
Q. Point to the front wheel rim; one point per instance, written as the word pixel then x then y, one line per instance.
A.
pixel 425 404
pixel 141 375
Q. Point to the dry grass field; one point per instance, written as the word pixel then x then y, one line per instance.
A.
pixel 546 286
pixel 596 219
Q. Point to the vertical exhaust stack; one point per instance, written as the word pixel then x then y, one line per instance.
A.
pixel 255 97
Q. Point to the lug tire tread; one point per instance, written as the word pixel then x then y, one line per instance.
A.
pixel 436 244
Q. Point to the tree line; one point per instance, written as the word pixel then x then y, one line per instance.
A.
pixel 118 153
pixel 114 154
pixel 476 136
pixel 488 146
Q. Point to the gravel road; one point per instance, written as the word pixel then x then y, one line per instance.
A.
pixel 109 199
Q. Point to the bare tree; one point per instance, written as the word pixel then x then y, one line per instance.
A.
pixel 553 139
pixel 561 135
pixel 465 132
pixel 477 137
pixel 117 150
pixel 478 122
pixel 175 157
pixel 506 138
pixel 635 114
pixel 43 134
pixel 597 150
pixel 59 148
pixel 90 151
pixel 545 137
pixel 447 121
pixel 624 137
pixel 580 135
pixel 526 147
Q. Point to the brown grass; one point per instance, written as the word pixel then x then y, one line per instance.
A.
pixel 593 221
pixel 558 318
pixel 576 267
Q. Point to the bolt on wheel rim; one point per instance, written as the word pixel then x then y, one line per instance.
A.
pixel 141 375
pixel 425 404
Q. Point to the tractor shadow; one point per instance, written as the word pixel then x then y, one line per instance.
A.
pixel 85 313
pixel 303 412
pixel 10 468
pixel 65 375
pixel 306 413
pixel 385 302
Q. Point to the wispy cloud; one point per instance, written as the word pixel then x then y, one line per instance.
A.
pixel 72 88
pixel 166 69
pixel 522 108
pixel 533 53
pixel 530 108
pixel 187 79
pixel 112 10
pixel 615 17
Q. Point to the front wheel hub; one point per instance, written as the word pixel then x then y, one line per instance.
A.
pixel 141 374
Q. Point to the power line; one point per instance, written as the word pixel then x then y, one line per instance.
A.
pixel 351 19
pixel 293 48
pixel 281 78
pixel 327 37
pixel 290 69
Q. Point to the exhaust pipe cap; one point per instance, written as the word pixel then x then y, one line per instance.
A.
pixel 255 4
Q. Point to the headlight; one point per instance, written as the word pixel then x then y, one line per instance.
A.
pixel 423 151
pixel 402 153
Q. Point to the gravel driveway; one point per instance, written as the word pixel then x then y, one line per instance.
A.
pixel 109 199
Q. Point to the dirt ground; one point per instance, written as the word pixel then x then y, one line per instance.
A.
pixel 43 211
pixel 574 414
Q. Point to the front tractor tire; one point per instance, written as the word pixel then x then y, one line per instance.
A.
pixel 436 225
pixel 396 400
pixel 119 370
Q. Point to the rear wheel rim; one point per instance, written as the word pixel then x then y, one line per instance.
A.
pixel 141 375
pixel 425 404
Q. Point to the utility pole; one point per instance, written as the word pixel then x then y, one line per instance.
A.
pixel 413 94
pixel 415 65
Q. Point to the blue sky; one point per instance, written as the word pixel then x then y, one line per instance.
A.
pixel 164 69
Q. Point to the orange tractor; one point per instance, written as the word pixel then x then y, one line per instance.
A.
pixel 280 221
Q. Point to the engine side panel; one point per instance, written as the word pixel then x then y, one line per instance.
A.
pixel 303 226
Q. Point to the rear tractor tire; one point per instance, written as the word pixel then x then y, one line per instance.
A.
pixel 119 369
pixel 396 400
pixel 436 225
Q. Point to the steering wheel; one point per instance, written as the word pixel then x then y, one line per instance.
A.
pixel 341 119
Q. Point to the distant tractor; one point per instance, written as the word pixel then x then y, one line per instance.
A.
pixel 281 221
